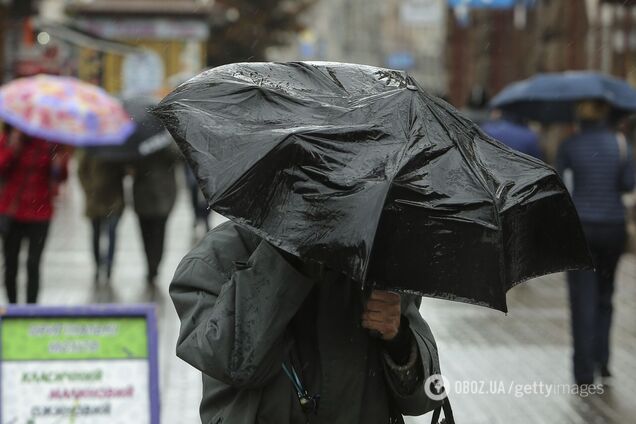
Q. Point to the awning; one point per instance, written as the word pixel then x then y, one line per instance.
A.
pixel 142 7
pixel 78 37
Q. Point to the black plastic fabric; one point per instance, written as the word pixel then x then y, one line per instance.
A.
pixel 357 167
pixel 149 137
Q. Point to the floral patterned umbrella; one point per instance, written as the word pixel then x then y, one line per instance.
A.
pixel 64 110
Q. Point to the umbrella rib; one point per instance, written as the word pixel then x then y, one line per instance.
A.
pixel 484 184
pixel 389 186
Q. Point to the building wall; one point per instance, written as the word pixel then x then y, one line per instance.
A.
pixel 176 47
pixel 492 48
pixel 170 52
pixel 377 33
pixel 612 38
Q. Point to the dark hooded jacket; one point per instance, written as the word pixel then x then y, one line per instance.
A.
pixel 245 310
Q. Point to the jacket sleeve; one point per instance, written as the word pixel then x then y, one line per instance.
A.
pixel 417 402
pixel 235 305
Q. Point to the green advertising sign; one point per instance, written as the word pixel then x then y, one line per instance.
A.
pixel 94 364
pixel 74 338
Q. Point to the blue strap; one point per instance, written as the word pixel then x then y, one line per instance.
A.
pixel 308 403
pixel 293 376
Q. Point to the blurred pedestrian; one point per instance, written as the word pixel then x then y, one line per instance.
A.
pixel 103 184
pixel 154 194
pixel 201 221
pixel 602 167
pixel 512 131
pixel 32 170
pixel 476 108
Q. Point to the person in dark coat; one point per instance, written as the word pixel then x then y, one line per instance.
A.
pixel 476 108
pixel 199 205
pixel 602 166
pixel 103 185
pixel 32 170
pixel 514 133
pixel 154 195
pixel 280 341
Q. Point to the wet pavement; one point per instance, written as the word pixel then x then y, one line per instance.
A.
pixel 500 368
pixel 516 367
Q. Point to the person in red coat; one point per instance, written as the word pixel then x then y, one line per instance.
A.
pixel 32 170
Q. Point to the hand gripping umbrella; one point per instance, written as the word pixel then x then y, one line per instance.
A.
pixel 358 168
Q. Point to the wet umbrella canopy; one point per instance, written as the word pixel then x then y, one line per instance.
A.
pixel 357 167
pixel 64 110
pixel 551 97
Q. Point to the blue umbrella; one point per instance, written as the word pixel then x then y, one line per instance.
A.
pixel 550 97
pixel 489 4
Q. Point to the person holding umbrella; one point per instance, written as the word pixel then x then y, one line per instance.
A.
pixel 281 324
pixel 200 210
pixel 154 195
pixel 349 191
pixel 150 156
pixel 43 110
pixel 602 165
pixel 103 185
pixel 512 131
pixel 32 169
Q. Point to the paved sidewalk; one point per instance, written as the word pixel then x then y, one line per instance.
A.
pixel 67 279
pixel 500 367
pixel 491 355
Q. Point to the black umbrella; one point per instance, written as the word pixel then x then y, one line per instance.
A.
pixel 358 168
pixel 150 135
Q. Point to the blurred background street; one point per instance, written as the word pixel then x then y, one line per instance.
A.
pixel 478 346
